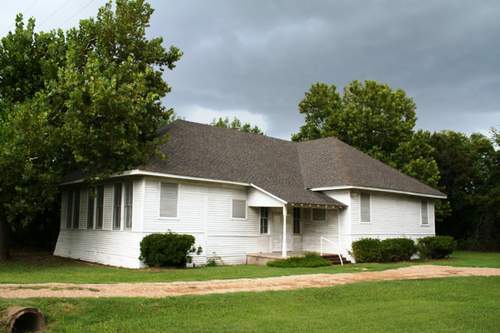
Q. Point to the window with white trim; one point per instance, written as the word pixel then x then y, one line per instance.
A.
pixel 239 209
pixel 365 208
pixel 99 207
pixel 264 220
pixel 90 208
pixel 296 220
pixel 319 214
pixel 168 199
pixel 128 202
pixel 76 209
pixel 117 206
pixel 424 213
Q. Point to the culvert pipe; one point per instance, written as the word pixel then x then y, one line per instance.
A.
pixel 20 319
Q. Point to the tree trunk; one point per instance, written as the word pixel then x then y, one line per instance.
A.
pixel 4 239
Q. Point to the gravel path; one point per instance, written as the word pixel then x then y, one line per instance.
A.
pixel 153 290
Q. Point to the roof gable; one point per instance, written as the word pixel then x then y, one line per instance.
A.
pixel 330 162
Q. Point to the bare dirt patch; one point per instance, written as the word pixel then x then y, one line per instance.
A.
pixel 155 290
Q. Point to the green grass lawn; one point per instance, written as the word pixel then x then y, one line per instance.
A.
pixel 469 304
pixel 43 268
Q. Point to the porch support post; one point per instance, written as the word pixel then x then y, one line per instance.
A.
pixel 283 242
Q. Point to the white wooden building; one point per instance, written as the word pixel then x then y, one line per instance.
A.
pixel 241 194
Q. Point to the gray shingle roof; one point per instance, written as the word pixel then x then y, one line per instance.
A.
pixel 330 162
pixel 283 168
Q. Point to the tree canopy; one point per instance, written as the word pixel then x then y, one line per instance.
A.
pixel 470 174
pixel 88 99
pixel 237 125
pixel 380 121
pixel 372 117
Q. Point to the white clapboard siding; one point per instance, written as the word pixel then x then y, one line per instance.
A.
pixel 205 211
pixel 107 246
pixel 391 215
pixel 117 248
pixel 314 230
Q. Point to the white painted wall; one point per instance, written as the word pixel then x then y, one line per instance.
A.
pixel 257 198
pixel 204 211
pixel 106 246
pixel 117 248
pixel 312 231
pixel 391 215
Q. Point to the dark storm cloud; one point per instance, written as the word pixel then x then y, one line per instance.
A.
pixel 261 56
pixel 255 59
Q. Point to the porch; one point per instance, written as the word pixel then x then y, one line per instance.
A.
pixel 295 229
pixel 264 258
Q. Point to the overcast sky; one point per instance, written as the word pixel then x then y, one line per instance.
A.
pixel 255 59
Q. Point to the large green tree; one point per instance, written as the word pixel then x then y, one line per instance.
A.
pixel 88 99
pixel 470 174
pixel 374 118
pixel 380 121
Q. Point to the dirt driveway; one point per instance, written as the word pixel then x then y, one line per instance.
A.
pixel 153 290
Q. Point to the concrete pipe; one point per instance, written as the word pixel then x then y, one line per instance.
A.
pixel 18 319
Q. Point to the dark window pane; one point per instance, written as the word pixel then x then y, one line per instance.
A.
pixel 100 207
pixel 76 211
pixel 128 204
pixel 264 220
pixel 90 209
pixel 296 220
pixel 117 206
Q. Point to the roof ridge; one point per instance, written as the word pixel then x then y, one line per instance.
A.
pixel 229 130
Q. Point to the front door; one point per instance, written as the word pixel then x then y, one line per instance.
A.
pixel 277 232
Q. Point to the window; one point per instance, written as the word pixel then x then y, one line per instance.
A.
pixel 168 199
pixel 99 207
pixel 264 220
pixel 423 212
pixel 117 206
pixel 365 208
pixel 69 209
pixel 128 204
pixel 90 209
pixel 296 220
pixel 319 214
pixel 76 209
pixel 239 209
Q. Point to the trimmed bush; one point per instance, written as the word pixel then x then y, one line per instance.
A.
pixel 366 250
pixel 167 250
pixel 436 247
pixel 309 260
pixel 397 249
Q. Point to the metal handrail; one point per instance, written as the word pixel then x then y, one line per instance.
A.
pixel 321 239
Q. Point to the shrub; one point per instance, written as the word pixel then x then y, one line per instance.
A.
pixel 366 250
pixel 397 249
pixel 167 250
pixel 211 262
pixel 436 247
pixel 309 260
